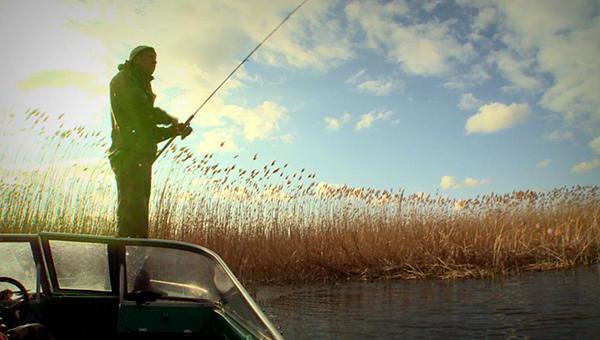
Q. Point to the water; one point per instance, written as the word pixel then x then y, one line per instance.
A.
pixel 556 304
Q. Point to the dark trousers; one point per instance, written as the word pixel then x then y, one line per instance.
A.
pixel 134 177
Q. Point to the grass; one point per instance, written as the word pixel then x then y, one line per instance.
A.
pixel 275 224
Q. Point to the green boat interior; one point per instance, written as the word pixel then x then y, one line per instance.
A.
pixel 65 286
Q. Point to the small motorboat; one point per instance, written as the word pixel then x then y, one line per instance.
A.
pixel 67 286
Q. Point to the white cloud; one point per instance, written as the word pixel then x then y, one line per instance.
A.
pixel 421 49
pixel 430 5
pixel 257 123
pixel 241 24
pixel 475 75
pixel 485 17
pixel 471 182
pixel 544 163
pixel 536 22
pixel 595 145
pixel 468 102
pixel 497 116
pixel 365 121
pixel 515 70
pixel 557 135
pixel 62 78
pixel 296 43
pixel 562 38
pixel 332 123
pixel 356 77
pixel 262 122
pixel 287 138
pixel 336 123
pixel 586 166
pixel 380 86
pixel 577 75
pixel 368 119
pixel 450 182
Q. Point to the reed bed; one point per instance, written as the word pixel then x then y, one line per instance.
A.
pixel 275 223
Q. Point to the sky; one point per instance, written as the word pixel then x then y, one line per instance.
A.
pixel 458 98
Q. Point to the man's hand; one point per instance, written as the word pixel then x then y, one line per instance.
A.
pixel 183 130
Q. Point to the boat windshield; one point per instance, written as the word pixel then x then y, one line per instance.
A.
pixel 16 261
pixel 178 274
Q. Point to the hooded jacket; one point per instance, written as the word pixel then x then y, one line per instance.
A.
pixel 134 117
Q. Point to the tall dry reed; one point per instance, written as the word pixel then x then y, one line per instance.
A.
pixel 272 222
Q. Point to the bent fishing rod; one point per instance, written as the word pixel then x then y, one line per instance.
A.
pixel 188 121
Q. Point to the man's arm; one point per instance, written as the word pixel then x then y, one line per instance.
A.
pixel 161 134
pixel 159 116
pixel 178 129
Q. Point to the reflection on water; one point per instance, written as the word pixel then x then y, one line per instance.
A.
pixel 563 304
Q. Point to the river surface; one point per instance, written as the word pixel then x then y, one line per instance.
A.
pixel 550 304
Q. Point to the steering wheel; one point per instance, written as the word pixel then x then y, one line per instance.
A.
pixel 15 311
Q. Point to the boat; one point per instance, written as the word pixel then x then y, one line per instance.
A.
pixel 97 287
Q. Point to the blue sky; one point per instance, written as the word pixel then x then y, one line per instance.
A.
pixel 456 97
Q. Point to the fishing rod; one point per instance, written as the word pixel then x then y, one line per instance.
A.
pixel 187 122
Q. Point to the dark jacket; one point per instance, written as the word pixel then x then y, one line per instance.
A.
pixel 134 117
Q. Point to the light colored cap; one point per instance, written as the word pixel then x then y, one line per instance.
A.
pixel 139 50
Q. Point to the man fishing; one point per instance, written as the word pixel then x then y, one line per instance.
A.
pixel 137 127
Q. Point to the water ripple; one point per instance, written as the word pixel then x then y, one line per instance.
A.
pixel 557 304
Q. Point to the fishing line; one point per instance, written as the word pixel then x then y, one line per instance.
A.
pixel 187 122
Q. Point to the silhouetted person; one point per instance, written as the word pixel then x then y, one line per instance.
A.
pixel 135 133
